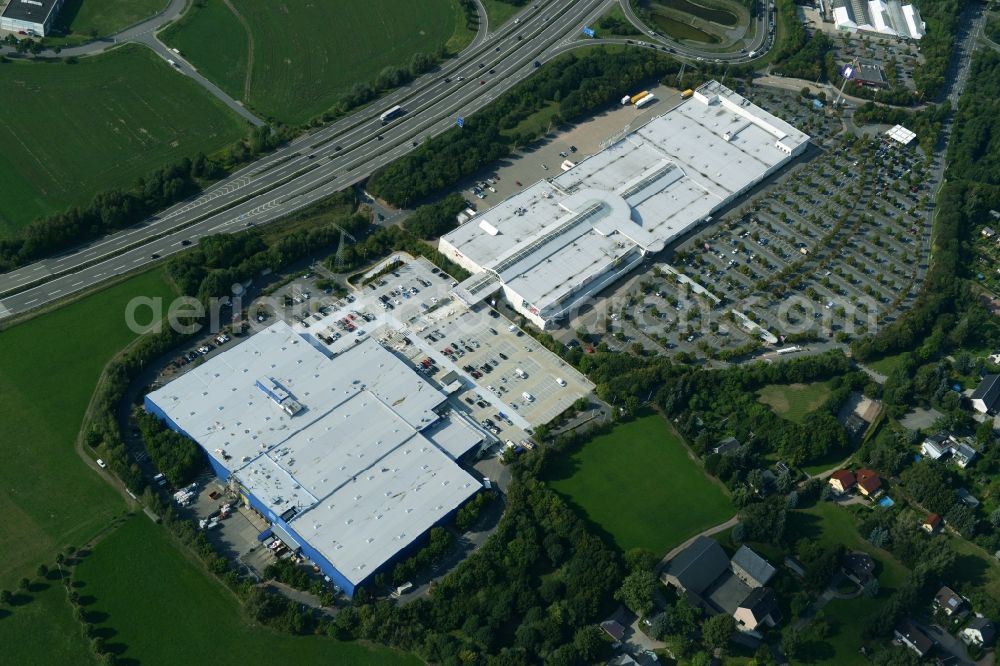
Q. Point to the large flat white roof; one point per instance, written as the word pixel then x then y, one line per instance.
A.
pixel 635 196
pixel 349 469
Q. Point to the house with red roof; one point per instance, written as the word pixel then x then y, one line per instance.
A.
pixel 869 482
pixel 842 481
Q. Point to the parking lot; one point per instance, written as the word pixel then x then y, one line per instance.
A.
pixel 498 376
pixel 833 247
pixel 542 159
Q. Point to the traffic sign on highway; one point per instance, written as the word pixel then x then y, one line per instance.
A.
pixel 589 32
pixel 460 121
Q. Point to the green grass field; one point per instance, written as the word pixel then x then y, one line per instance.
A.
pixel 639 485
pixel 40 630
pixel 499 12
pixel 833 525
pixel 70 131
pixel 84 20
pixel 162 608
pixel 49 367
pixel 794 401
pixel 303 55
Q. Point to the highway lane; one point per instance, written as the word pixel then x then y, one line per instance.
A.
pixel 314 166
pixel 433 110
pixel 350 133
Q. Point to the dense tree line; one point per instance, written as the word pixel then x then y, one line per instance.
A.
pixel 118 208
pixel 813 60
pixel 942 19
pixel 436 219
pixel 578 83
pixel 220 260
pixel 178 458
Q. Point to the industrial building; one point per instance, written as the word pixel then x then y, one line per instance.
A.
pixel 33 17
pixel 351 459
pixel 890 18
pixel 562 240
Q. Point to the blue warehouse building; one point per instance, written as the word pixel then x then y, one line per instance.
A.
pixel 351 459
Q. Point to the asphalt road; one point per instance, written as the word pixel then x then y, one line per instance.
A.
pixel 760 45
pixel 315 166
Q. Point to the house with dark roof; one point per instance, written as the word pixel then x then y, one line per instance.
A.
pixel 697 566
pixel 859 567
pixel 912 637
pixel 948 601
pixel 986 397
pixel 759 608
pixel 931 524
pixel 751 568
pixel 842 481
pixel 980 631
pixel 935 447
pixel 727 446
pixel 613 629
pixel 962 454
pixel 869 482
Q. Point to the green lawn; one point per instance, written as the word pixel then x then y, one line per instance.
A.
pixel 307 54
pixel 70 131
pixel 161 608
pixel 794 401
pixel 499 12
pixel 885 366
pixel 84 20
pixel 49 366
pixel 40 630
pixel 833 525
pixel 639 485
pixel 975 569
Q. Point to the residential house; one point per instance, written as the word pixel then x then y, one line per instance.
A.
pixel 963 454
pixel 912 637
pixel 966 498
pixel 842 481
pixel 751 568
pixel 986 397
pixel 988 232
pixel 859 567
pixel 696 567
pixel 726 447
pixel 869 482
pixel 613 629
pixel 948 601
pixel 980 631
pixel 935 447
pixel 759 608
pixel 931 524
pixel 942 445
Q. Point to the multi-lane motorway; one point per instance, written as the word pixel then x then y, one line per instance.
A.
pixel 316 165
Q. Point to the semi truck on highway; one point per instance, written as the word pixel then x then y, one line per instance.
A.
pixel 390 114
pixel 636 97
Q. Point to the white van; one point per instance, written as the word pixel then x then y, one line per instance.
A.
pixel 528 397
pixel 520 373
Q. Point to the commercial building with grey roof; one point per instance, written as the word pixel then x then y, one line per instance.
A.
pixel 34 17
pixel 561 240
pixel 351 457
